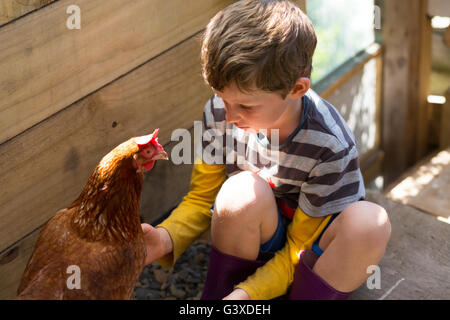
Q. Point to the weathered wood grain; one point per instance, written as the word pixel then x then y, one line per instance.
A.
pixel 371 164
pixel 45 67
pixel 426 185
pixel 444 134
pixel 346 71
pixel 12 265
pixel 405 86
pixel 362 76
pixel 13 9
pixel 166 185
pixel 46 166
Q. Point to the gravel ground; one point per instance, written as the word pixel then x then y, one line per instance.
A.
pixel 182 282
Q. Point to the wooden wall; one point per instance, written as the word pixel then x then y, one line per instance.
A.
pixel 407 68
pixel 49 67
pixel 67 97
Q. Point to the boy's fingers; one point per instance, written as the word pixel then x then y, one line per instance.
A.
pixel 146 227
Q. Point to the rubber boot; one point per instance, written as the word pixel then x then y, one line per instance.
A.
pixel 307 285
pixel 224 272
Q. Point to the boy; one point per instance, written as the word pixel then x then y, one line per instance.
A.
pixel 293 224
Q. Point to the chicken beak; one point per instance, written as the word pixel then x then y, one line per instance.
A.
pixel 160 155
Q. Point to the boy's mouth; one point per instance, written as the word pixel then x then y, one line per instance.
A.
pixel 247 129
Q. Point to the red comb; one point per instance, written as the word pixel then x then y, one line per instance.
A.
pixel 146 140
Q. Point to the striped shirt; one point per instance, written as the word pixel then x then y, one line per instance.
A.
pixel 316 168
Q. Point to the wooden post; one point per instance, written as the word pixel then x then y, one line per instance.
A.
pixel 406 37
pixel 302 5
pixel 444 135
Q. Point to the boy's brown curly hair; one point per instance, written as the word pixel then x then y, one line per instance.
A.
pixel 258 44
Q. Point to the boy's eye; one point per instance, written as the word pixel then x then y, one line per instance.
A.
pixel 245 107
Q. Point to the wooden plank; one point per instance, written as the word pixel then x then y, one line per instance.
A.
pixel 13 9
pixel 434 197
pixel 421 79
pixel 45 67
pixel 359 78
pixel 425 186
pixel 166 185
pixel 379 102
pixel 418 252
pixel 12 265
pixel 406 77
pixel 408 173
pixel 346 71
pixel 447 37
pixel 371 165
pixel 395 98
pixel 46 166
pixel 435 124
pixel 372 161
pixel 444 134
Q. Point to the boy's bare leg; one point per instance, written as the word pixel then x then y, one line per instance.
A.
pixel 245 216
pixel 356 239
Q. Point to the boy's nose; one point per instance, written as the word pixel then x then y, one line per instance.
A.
pixel 231 116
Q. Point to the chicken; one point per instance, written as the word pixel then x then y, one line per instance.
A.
pixel 95 248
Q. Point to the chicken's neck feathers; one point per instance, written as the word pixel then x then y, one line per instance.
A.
pixel 108 207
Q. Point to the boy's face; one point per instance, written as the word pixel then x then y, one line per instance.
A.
pixel 256 110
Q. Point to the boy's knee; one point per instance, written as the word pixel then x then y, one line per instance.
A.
pixel 366 225
pixel 243 193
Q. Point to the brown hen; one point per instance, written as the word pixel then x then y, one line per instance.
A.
pixel 95 248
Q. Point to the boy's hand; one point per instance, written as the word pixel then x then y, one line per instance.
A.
pixel 157 242
pixel 237 294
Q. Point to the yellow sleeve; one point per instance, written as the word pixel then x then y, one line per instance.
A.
pixel 192 217
pixel 273 279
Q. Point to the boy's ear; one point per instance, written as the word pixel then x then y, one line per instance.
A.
pixel 301 86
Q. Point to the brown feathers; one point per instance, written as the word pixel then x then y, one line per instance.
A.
pixel 94 249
